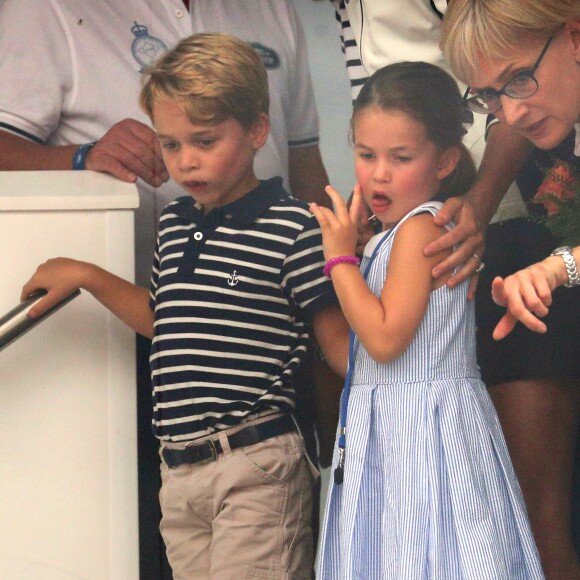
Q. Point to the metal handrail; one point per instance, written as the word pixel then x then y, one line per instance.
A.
pixel 17 322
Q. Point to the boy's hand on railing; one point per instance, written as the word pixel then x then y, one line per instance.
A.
pixel 60 277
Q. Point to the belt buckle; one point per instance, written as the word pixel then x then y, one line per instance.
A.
pixel 214 453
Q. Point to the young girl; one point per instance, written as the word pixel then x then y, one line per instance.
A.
pixel 423 484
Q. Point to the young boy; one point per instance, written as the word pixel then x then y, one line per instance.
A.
pixel 237 280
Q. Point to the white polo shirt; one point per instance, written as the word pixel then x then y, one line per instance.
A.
pixel 273 28
pixel 72 69
pixel 391 31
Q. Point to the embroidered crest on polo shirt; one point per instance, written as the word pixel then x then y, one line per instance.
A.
pixel 268 56
pixel 145 48
pixel 233 278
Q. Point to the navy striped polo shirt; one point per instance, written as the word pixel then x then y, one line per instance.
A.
pixel 233 293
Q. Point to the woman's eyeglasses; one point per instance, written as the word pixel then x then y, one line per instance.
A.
pixel 521 86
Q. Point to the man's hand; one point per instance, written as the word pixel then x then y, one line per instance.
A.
pixel 129 150
pixel 468 235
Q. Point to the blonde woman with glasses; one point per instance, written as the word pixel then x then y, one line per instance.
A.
pixel 521 59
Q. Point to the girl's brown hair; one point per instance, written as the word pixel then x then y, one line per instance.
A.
pixel 429 95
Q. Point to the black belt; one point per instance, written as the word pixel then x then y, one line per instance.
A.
pixel 210 449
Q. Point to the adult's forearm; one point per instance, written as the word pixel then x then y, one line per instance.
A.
pixel 18 154
pixel 307 175
pixel 504 156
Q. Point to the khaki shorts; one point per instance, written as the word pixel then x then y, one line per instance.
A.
pixel 245 515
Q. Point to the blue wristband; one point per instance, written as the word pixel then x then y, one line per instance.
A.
pixel 80 155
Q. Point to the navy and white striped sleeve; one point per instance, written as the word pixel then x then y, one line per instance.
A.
pixel 307 287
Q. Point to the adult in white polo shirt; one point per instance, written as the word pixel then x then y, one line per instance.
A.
pixel 71 74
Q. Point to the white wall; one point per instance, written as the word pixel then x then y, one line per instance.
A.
pixel 68 450
pixel 332 92
pixel 331 89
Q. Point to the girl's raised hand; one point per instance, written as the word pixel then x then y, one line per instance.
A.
pixel 339 228
pixel 357 211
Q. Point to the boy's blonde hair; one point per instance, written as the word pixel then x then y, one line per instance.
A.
pixel 490 29
pixel 214 77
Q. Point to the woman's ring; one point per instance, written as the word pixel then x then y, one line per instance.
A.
pixel 481 264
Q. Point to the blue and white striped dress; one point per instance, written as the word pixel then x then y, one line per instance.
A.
pixel 429 489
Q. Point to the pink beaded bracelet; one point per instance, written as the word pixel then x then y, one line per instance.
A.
pixel 339 260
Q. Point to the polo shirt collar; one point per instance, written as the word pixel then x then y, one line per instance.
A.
pixel 252 205
pixel 245 210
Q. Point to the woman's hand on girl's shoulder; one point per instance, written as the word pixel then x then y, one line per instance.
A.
pixel 467 236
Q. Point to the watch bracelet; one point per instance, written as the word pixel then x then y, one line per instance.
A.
pixel 570 263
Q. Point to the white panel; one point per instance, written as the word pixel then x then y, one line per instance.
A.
pixel 68 444
pixel 64 190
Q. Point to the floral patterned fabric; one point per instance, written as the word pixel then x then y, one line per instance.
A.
pixel 550 184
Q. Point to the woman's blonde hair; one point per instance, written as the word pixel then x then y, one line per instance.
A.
pixel 214 77
pixel 490 29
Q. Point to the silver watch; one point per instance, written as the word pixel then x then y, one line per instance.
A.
pixel 565 252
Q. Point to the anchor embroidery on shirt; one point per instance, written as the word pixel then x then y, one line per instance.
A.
pixel 233 279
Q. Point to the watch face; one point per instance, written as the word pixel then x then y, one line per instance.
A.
pixel 561 250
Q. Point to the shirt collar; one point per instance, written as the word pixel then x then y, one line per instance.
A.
pixel 577 145
pixel 245 210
